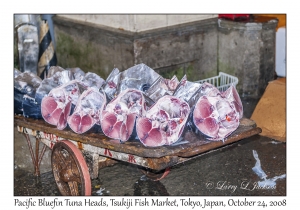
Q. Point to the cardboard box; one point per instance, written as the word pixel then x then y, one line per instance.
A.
pixel 270 112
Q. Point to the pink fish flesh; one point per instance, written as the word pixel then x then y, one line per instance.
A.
pixel 56 107
pixel 164 122
pixel 118 117
pixel 87 111
pixel 217 114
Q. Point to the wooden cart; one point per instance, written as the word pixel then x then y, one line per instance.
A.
pixel 76 159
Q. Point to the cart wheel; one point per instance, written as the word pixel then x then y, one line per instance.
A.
pixel 155 176
pixel 70 170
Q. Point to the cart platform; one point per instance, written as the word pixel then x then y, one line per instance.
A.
pixel 97 146
pixel 195 144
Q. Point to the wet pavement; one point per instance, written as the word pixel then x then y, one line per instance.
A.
pixel 225 171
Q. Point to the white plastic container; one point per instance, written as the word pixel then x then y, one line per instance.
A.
pixel 222 82
pixel 280 57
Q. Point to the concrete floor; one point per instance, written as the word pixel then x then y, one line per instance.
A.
pixel 226 171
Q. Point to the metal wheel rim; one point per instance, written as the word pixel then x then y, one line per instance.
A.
pixel 70 170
